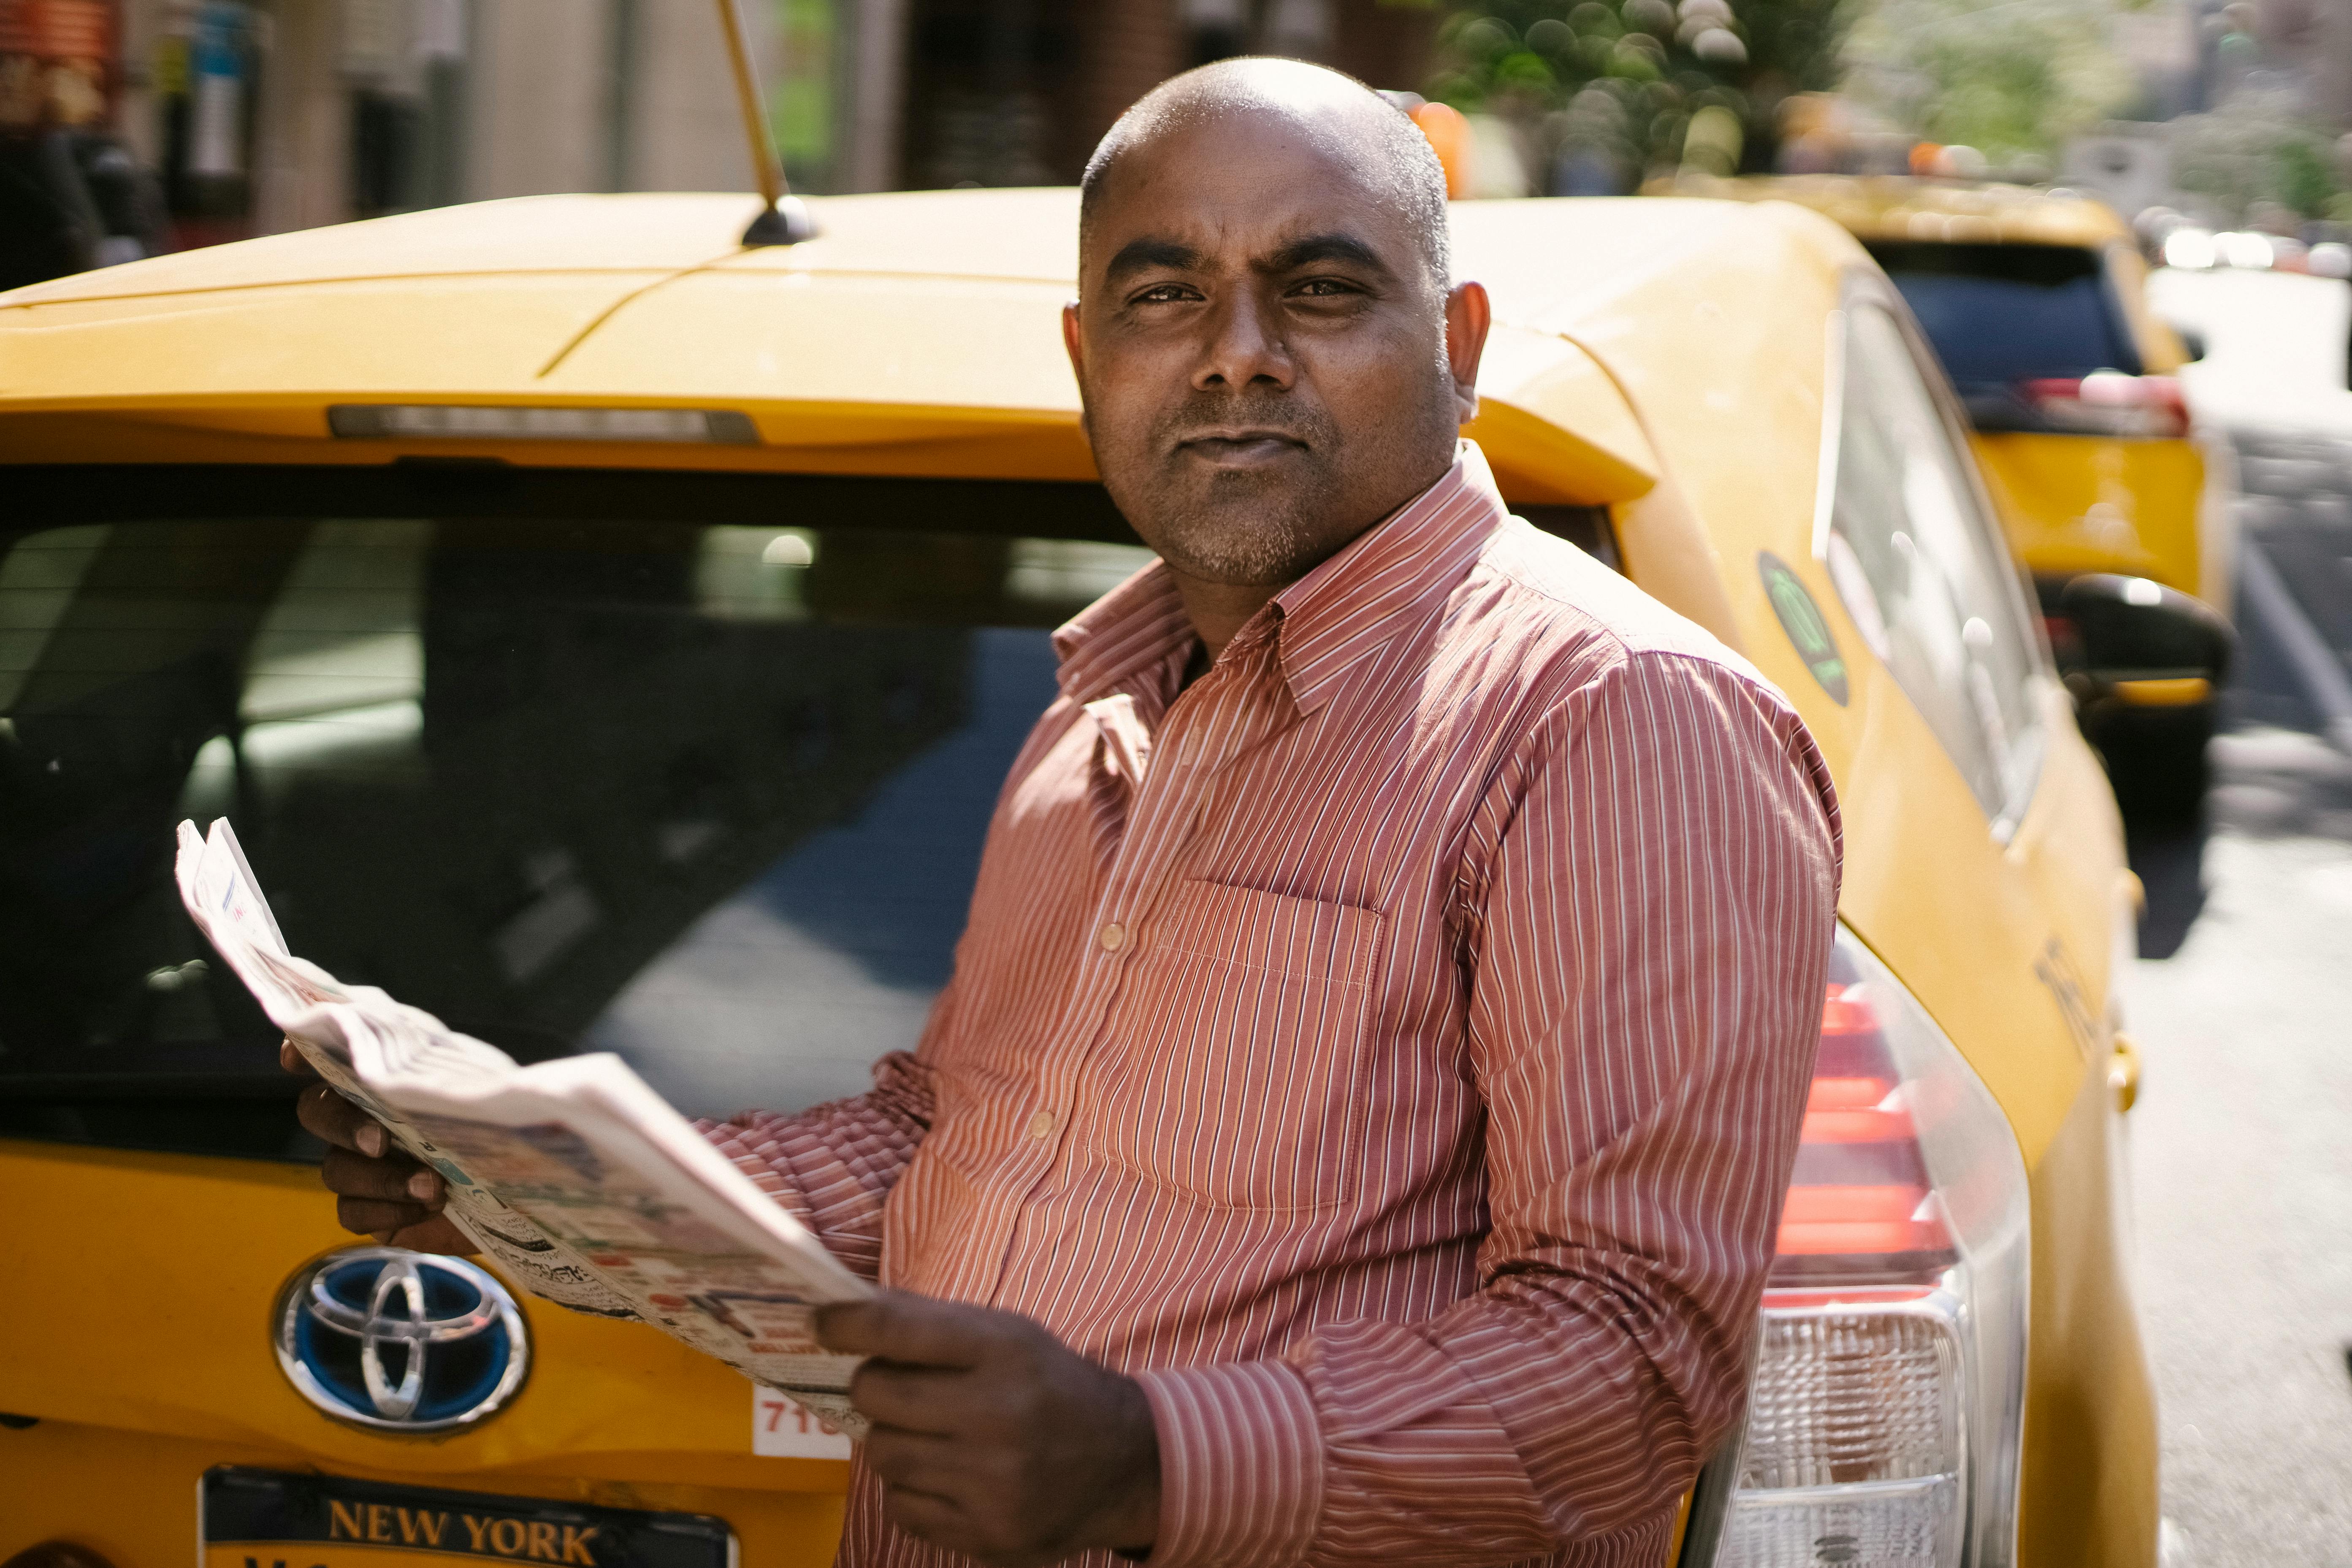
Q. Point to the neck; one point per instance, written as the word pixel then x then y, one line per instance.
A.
pixel 1218 610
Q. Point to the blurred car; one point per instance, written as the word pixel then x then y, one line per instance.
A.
pixel 2036 304
pixel 612 639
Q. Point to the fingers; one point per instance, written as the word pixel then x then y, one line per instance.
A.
pixel 927 1516
pixel 337 1120
pixel 380 1191
pixel 911 1458
pixel 915 1330
pixel 911 1400
pixel 398 1179
pixel 991 1438
pixel 438 1233
pixel 377 1197
pixel 947 1523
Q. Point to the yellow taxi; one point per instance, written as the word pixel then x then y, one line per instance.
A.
pixel 612 637
pixel 2036 303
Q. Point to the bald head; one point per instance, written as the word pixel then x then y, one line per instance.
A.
pixel 1269 354
pixel 1324 109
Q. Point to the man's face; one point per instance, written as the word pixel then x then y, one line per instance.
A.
pixel 1265 361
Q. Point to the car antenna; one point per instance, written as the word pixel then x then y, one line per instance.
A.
pixel 783 219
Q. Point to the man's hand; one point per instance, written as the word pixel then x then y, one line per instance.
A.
pixel 993 1438
pixel 380 1191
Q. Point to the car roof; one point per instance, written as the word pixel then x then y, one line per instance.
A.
pixel 998 235
pixel 1899 207
pixel 838 342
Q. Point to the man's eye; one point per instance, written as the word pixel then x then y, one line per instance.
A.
pixel 1324 289
pixel 1163 294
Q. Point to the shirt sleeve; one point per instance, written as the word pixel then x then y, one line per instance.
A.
pixel 833 1165
pixel 1646 929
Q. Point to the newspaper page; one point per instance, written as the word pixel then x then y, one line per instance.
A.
pixel 578 1179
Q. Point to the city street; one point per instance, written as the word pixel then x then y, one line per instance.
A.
pixel 2239 1007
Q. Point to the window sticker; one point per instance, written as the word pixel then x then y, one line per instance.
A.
pixel 1801 618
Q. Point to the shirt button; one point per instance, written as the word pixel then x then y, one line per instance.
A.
pixel 1113 937
pixel 1041 1124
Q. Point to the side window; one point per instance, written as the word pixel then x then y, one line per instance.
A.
pixel 1925 573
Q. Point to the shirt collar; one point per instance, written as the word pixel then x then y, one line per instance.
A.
pixel 1353 605
pixel 1327 622
pixel 1139 626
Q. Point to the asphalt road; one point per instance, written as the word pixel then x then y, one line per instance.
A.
pixel 2241 1141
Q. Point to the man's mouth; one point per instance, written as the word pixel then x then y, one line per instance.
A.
pixel 1241 448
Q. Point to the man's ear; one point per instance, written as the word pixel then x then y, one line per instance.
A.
pixel 1073 343
pixel 1467 316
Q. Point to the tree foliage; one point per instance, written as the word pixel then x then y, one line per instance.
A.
pixel 1605 90
pixel 2258 148
pixel 2012 79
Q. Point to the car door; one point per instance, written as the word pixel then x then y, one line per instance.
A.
pixel 2011 940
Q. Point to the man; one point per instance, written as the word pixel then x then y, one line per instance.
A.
pixel 1357 1123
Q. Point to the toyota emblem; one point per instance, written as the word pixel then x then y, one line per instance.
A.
pixel 400 1341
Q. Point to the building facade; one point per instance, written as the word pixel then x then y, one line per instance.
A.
pixel 259 116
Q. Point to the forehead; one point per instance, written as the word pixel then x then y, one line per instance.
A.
pixel 1244 182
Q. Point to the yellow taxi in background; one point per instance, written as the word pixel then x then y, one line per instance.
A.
pixel 2036 301
pixel 612 637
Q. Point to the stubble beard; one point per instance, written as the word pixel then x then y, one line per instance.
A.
pixel 1239 527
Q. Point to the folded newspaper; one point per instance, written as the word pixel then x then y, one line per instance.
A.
pixel 578 1179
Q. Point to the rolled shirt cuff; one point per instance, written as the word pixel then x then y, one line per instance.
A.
pixel 1240 1465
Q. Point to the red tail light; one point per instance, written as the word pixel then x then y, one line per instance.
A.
pixel 1884 1415
pixel 1860 1208
pixel 2109 403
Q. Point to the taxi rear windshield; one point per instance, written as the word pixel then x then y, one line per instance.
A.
pixel 692 768
pixel 2001 314
pixel 693 772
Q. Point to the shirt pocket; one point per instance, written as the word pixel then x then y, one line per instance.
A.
pixel 1238 1064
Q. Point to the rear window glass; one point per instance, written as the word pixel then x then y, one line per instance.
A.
pixel 709 795
pixel 1999 314
pixel 693 768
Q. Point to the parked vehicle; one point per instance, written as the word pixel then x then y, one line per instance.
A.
pixel 2036 304
pixel 612 637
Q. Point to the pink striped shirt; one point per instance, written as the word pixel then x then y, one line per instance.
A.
pixel 1390 1048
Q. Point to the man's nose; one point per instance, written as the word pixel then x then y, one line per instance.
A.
pixel 1244 347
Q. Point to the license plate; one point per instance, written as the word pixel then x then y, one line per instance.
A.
pixel 269 1518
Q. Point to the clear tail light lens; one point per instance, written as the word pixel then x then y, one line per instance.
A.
pixel 1885 1416
pixel 2109 403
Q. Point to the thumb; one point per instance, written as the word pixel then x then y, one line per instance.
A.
pixel 900 1326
